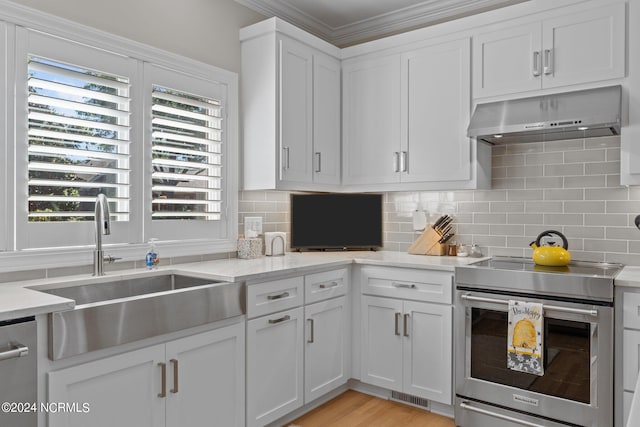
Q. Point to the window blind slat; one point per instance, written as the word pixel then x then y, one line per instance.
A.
pixel 211 141
pixel 57 151
pixel 78 106
pixel 80 123
pixel 60 72
pixel 71 168
pixel 182 125
pixel 185 100
pixel 73 90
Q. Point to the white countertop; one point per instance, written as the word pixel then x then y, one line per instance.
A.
pixel 17 300
pixel 629 276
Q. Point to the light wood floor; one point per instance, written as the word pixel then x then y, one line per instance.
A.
pixel 353 409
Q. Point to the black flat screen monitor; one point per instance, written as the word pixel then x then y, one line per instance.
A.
pixel 336 221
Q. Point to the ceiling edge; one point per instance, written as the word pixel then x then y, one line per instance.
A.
pixel 421 15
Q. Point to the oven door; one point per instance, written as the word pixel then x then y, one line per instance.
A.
pixel 578 339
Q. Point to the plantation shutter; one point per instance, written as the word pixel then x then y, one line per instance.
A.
pixel 78 131
pixel 187 156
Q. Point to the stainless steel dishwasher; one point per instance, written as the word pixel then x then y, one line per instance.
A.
pixel 18 366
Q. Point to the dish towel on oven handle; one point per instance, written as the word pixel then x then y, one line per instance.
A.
pixel 524 337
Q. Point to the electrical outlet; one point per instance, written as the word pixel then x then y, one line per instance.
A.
pixel 253 223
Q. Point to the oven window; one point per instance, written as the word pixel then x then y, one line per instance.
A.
pixel 566 356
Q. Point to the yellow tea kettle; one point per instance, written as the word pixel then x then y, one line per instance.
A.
pixel 551 255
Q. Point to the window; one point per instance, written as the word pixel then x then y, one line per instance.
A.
pixel 188 190
pixel 156 138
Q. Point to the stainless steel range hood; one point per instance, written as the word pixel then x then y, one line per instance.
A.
pixel 580 114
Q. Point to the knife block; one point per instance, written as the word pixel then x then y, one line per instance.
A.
pixel 427 244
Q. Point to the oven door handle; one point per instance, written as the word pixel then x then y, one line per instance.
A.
pixel 592 312
pixel 465 405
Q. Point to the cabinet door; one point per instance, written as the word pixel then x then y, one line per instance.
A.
pixel 630 358
pixel 584 47
pixel 371 121
pixel 274 366
pixel 296 111
pixel 507 61
pixel 438 90
pixel 326 119
pixel 205 381
pixel 120 391
pixel 326 354
pixel 427 351
pixel 382 342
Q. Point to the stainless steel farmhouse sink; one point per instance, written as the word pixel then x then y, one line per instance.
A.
pixel 130 309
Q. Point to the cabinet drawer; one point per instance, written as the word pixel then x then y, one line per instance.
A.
pixel 325 285
pixel 419 285
pixel 631 310
pixel 269 297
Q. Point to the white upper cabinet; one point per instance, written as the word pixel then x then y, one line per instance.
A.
pixel 580 47
pixel 371 117
pixel 438 100
pixel 326 119
pixel 296 110
pixel 290 92
pixel 405 119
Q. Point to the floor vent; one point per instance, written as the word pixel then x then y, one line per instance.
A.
pixel 420 402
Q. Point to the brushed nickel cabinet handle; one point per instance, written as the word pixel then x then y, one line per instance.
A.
pixel 405 326
pixel 285 161
pixel 397 332
pixel 279 296
pixel 18 350
pixel 333 284
pixel 163 370
pixel 403 285
pixel 318 162
pixel 174 362
pixel 281 319
pixel 404 158
pixel 396 161
pixel 536 64
pixel 311 339
pixel 548 62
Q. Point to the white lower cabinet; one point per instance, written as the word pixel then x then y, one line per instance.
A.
pixel 274 366
pixel 326 355
pixel 406 347
pixel 203 385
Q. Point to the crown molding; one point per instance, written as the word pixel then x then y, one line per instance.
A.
pixel 420 15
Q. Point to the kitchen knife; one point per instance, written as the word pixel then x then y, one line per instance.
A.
pixel 438 222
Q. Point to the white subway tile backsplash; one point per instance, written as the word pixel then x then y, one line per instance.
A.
pixel 513 195
pixel 543 182
pixel 601 168
pixel 571 186
pixel 590 181
pixel 538 206
pixel 515 218
pixel 575 206
pixel 544 158
pixel 564 169
pixel 584 156
pixel 605 220
pixel 507 206
pixel 557 220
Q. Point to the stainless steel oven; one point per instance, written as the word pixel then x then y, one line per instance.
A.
pixel 576 388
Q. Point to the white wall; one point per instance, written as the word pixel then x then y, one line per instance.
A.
pixel 205 30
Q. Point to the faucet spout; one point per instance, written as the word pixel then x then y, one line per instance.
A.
pixel 102 220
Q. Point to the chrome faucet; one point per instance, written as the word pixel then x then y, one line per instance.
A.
pixel 103 226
